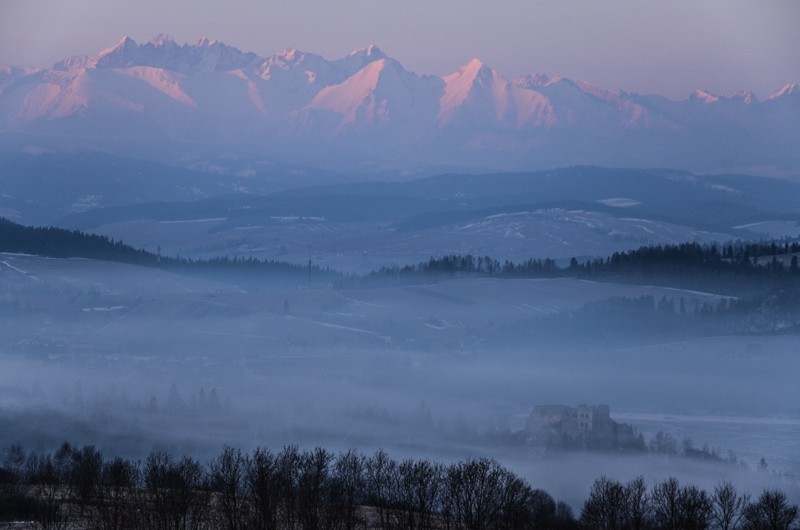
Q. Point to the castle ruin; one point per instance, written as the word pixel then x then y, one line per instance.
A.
pixel 588 426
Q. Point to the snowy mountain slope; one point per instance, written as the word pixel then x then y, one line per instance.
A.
pixel 368 103
pixel 293 78
pixel 478 95
pixel 382 95
pixel 584 105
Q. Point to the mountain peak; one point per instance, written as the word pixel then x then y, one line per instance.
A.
pixel 162 39
pixel 745 96
pixel 476 87
pixel 474 70
pixel 119 54
pixel 703 96
pixel 289 54
pixel 533 80
pixel 596 91
pixel 789 89
pixel 125 42
pixel 288 59
pixel 474 64
pixel 74 61
pixel 205 41
pixel 163 52
pixel 370 51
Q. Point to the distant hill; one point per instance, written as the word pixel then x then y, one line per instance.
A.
pixel 560 213
pixel 40 188
pixel 60 243
pixel 688 262
pixel 711 203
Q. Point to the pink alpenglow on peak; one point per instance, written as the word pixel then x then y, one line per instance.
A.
pixel 117 54
pixel 474 92
pixel 204 41
pixel 381 93
pixel 468 78
pixel 790 89
pixel 532 80
pixel 703 96
pixel 369 51
pixel 210 92
pixel 745 96
pixel 289 54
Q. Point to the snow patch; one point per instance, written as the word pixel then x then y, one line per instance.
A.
pixel 104 309
pixel 208 220
pixel 619 202
pixel 168 83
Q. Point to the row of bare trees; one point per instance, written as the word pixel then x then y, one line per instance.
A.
pixel 316 489
pixel 668 505
pixel 266 490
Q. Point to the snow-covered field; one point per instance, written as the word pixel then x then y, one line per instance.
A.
pixel 97 341
pixel 454 315
pixel 751 438
pixel 553 233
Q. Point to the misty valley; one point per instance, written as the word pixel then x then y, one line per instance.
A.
pixel 684 354
pixel 278 291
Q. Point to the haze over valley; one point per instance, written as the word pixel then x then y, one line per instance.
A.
pixel 205 249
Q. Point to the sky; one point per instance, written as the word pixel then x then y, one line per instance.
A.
pixel 667 47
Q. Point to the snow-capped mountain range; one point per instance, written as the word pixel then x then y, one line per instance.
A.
pixel 367 104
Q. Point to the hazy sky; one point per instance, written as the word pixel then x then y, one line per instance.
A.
pixel 661 46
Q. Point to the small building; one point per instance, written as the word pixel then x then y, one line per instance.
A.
pixel 593 418
pixel 588 426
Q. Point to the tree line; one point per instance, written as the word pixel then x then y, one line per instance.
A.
pixel 76 487
pixel 737 259
pixel 60 243
pixel 668 505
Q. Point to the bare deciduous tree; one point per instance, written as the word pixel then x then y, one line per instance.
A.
pixel 117 496
pixel 729 506
pixel 771 511
pixel 227 477
pixel 262 482
pixel 347 491
pixel 177 494
pixel 380 472
pixel 606 506
pixel 637 504
pixel 315 467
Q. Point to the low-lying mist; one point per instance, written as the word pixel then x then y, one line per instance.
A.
pixel 132 360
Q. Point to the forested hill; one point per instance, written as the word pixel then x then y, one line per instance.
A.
pixel 688 264
pixel 59 243
pixel 767 263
